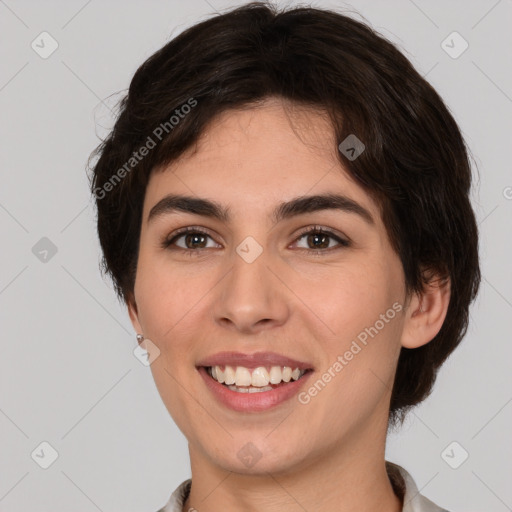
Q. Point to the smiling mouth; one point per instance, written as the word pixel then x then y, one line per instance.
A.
pixel 257 380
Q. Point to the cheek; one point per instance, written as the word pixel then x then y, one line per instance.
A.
pixel 354 299
pixel 166 296
pixel 364 312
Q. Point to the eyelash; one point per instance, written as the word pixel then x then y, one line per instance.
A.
pixel 167 242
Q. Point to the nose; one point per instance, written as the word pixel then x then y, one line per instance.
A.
pixel 252 297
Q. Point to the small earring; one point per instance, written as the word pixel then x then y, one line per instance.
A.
pixel 140 338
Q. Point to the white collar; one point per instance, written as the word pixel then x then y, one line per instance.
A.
pixel 413 500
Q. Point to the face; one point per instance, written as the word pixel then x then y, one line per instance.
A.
pixel 253 282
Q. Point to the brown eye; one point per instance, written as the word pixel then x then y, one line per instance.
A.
pixel 193 239
pixel 319 239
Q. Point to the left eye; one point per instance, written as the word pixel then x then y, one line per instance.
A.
pixel 320 238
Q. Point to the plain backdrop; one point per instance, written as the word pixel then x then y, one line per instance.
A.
pixel 68 375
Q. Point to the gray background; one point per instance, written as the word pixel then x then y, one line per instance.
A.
pixel 68 375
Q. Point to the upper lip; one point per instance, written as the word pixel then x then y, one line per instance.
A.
pixel 254 360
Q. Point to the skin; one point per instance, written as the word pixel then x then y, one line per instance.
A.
pixel 327 454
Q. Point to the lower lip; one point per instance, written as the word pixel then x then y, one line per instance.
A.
pixel 252 402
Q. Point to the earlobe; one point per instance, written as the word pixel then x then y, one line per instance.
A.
pixel 133 313
pixel 426 313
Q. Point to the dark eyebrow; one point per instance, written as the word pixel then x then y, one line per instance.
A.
pixel 297 206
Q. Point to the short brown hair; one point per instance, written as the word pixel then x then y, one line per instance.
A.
pixel 415 163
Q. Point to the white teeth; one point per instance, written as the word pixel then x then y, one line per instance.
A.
pixel 218 374
pixel 259 377
pixel 258 390
pixel 242 376
pixel 250 389
pixel 229 375
pixel 275 375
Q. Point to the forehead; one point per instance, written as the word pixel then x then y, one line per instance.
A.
pixel 266 137
pixel 253 159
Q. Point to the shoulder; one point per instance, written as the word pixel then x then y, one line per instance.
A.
pixel 178 497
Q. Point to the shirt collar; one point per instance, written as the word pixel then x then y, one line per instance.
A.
pixel 403 484
pixel 405 487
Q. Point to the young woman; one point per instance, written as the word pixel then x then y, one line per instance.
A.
pixel 283 208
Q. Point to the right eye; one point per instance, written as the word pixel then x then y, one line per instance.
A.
pixel 191 235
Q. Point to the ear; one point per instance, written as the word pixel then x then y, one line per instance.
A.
pixel 426 312
pixel 134 314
